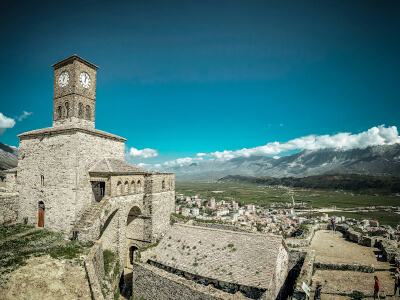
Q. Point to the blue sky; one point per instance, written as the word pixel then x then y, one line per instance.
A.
pixel 189 77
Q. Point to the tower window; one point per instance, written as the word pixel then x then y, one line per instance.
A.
pixel 119 188
pixel 132 186
pixel 126 191
pixel 41 180
pixel 59 112
pixel 87 115
pixel 66 109
pixel 163 184
pixel 80 112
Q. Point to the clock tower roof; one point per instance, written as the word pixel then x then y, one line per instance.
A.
pixel 71 59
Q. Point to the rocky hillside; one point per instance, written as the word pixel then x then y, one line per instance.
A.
pixel 375 161
pixel 8 158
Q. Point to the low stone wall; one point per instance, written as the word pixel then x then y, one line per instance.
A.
pixel 94 265
pixel 9 207
pixel 219 226
pixel 345 267
pixel 304 242
pixel 305 275
pixel 151 282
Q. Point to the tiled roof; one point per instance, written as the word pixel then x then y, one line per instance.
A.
pixel 116 166
pixel 242 258
pixel 70 127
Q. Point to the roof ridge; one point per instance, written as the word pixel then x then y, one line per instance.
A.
pixel 231 231
pixel 108 164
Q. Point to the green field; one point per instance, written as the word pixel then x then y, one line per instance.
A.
pixel 264 196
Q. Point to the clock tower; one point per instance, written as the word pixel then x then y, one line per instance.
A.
pixel 74 100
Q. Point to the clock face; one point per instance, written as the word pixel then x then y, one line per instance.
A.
pixel 63 79
pixel 84 79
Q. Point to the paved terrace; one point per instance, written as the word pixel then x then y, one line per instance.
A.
pixel 241 258
pixel 335 249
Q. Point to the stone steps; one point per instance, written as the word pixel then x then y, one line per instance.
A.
pixel 89 215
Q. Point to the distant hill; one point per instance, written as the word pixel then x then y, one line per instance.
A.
pixel 351 182
pixel 381 160
pixel 8 158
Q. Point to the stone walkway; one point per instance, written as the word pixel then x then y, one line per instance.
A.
pixel 335 249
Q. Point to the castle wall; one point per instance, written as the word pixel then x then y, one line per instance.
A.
pixel 8 208
pixel 162 205
pixel 282 269
pixel 63 159
pixel 54 158
pixel 11 179
pixel 150 282
pixel 89 150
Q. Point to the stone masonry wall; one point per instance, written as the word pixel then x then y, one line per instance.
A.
pixel 150 282
pixel 54 158
pixel 94 265
pixel 162 205
pixel 90 149
pixel 11 179
pixel 8 207
pixel 282 268
pixel 63 159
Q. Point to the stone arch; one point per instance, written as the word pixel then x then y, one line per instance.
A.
pixel 119 188
pixel 41 208
pixel 59 112
pixel 87 112
pixel 80 110
pixel 109 231
pixel 67 109
pixel 133 185
pixel 139 186
pixel 126 187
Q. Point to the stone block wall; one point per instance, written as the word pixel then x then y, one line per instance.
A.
pixel 160 182
pixel 305 275
pixel 135 185
pixel 52 157
pixel 94 265
pixel 151 282
pixel 8 208
pixel 91 149
pixel 63 159
pixel 282 269
pixel 161 206
pixel 11 179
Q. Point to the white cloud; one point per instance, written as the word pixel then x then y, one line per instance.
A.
pixel 5 123
pixel 24 115
pixel 379 135
pixel 375 136
pixel 145 153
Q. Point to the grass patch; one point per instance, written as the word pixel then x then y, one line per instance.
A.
pixel 109 258
pixel 14 253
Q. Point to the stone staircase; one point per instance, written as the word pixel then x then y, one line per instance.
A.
pixel 85 222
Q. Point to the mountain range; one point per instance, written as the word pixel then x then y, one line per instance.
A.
pixel 8 158
pixel 382 160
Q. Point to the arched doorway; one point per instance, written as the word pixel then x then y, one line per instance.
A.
pixel 132 249
pixel 41 208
